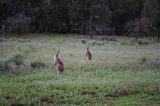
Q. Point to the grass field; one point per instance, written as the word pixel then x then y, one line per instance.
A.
pixel 122 73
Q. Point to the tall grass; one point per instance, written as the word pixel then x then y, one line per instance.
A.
pixel 111 78
pixel 15 59
pixel 15 39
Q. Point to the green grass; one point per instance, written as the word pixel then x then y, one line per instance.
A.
pixel 119 74
pixel 15 39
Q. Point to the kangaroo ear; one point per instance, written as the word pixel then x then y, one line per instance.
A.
pixel 58 51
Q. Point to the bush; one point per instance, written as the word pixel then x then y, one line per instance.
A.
pixel 12 67
pixel 38 64
pixel 139 41
pixel 71 54
pixel 15 59
pixel 143 42
pixel 142 60
pixel 83 42
pixel 98 42
pixel 2 64
pixel 133 40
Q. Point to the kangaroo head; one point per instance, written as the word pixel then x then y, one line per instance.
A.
pixel 88 48
pixel 57 53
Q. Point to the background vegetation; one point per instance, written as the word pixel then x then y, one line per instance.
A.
pixel 89 17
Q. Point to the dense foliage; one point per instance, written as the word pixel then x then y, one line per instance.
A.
pixel 84 16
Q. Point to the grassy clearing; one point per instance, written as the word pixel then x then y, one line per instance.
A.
pixel 119 74
pixel 15 39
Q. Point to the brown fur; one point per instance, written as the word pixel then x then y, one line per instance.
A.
pixel 88 54
pixel 58 63
pixel 57 59
pixel 59 68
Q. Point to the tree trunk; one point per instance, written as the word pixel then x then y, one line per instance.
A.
pixel 5 35
pixel 19 35
pixel 46 29
pixel 41 27
pixel 82 28
pixel 70 23
pixel 90 28
pixel 158 36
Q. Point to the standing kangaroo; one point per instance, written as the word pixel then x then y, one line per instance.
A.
pixel 88 54
pixel 58 63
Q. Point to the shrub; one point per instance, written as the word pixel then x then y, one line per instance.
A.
pixel 16 58
pixel 143 42
pixel 12 67
pixel 133 41
pixel 71 54
pixel 37 64
pixel 122 43
pixel 83 42
pixel 142 60
pixel 98 42
pixel 13 60
pixel 139 41
pixel 2 64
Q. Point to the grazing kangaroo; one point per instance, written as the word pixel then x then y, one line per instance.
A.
pixel 88 54
pixel 59 64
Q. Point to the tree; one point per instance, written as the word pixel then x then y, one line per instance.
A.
pixel 17 24
pixel 143 26
pixel 129 27
pixel 124 11
pixel 152 10
pixel 92 14
pixel 87 17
